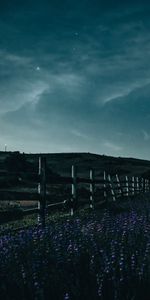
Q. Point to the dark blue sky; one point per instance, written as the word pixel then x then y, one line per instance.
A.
pixel 75 76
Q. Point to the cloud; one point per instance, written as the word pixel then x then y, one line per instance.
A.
pixel 112 146
pixel 7 58
pixel 81 135
pixel 146 135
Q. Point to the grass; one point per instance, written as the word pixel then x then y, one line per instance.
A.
pixel 100 254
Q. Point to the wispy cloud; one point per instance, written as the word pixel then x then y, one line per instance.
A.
pixel 146 135
pixel 112 146
pixel 80 135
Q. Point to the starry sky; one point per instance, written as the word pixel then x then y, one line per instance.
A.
pixel 75 76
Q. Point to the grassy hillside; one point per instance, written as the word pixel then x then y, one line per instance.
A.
pixel 62 162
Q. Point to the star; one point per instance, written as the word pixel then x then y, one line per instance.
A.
pixel 38 68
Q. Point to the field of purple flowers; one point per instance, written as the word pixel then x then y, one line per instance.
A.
pixel 98 255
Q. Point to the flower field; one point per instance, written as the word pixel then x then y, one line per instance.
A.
pixel 97 255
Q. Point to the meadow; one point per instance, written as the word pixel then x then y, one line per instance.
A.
pixel 103 254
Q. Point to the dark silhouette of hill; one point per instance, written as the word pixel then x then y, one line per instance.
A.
pixel 60 163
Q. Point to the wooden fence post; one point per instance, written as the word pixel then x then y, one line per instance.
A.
pixel 111 188
pixel 137 185
pixel 142 185
pixel 104 186
pixel 126 186
pixel 118 185
pixel 74 189
pixel 133 185
pixel 146 185
pixel 42 190
pixel 91 188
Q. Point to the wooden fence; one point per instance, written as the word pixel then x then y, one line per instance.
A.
pixel 110 189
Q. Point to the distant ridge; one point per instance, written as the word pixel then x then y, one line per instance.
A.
pixel 62 162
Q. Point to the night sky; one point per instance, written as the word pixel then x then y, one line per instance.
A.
pixel 75 76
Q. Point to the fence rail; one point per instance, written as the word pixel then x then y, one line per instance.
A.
pixel 109 188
